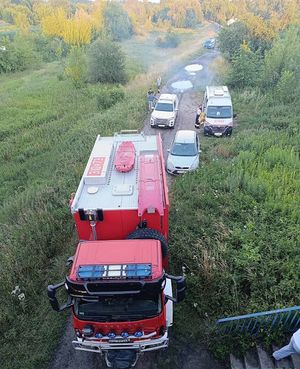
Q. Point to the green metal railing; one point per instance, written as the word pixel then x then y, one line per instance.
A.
pixel 288 319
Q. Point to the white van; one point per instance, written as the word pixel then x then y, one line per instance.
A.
pixel 165 111
pixel 217 107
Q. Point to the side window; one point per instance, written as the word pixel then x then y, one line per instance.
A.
pixel 175 105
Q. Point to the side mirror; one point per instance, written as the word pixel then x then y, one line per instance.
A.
pixel 180 288
pixel 234 115
pixel 51 291
pixel 180 291
pixel 152 108
pixel 168 150
pixel 69 261
pixel 200 151
pixel 167 297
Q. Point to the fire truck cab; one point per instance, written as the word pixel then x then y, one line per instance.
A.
pixel 118 289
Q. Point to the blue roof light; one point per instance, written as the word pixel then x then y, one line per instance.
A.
pixel 138 270
pixel 125 334
pixel 90 271
pixel 114 271
pixel 138 334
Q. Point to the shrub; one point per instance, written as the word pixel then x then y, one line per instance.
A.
pixel 106 62
pixel 50 48
pixel 283 56
pixel 105 96
pixel 76 66
pixel 245 68
pixel 170 40
pixel 17 55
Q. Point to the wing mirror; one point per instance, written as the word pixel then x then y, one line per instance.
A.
pixel 234 115
pixel 51 291
pixel 180 288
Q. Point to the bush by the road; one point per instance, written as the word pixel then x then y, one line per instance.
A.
pixel 170 40
pixel 106 62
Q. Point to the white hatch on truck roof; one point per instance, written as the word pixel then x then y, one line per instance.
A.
pixel 96 170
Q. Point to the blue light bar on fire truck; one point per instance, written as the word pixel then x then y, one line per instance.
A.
pixel 119 271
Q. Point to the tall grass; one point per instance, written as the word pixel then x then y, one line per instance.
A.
pixel 235 222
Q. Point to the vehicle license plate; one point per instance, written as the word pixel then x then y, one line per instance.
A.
pixel 119 340
pixel 218 134
pixel 161 125
pixel 180 171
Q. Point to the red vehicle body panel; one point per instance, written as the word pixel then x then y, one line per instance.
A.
pixel 118 252
pixel 118 224
pixel 151 196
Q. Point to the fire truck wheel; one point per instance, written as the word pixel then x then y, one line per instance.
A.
pixel 148 234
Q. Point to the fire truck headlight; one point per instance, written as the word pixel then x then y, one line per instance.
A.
pixel 111 335
pixel 125 334
pixel 138 334
pixel 88 331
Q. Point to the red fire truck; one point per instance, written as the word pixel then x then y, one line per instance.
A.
pixel 118 288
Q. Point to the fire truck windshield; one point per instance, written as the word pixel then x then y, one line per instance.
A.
pixel 118 308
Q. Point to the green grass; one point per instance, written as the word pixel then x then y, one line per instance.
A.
pixel 235 223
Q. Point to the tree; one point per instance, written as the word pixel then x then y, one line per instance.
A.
pixel 231 38
pixel 106 62
pixel 74 31
pixel 76 66
pixel 284 56
pixel 245 68
pixel 117 22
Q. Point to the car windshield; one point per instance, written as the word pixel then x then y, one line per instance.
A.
pixel 160 106
pixel 119 308
pixel 219 112
pixel 184 149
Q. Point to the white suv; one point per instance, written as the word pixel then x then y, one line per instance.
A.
pixel 165 111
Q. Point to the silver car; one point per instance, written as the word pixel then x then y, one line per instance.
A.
pixel 184 153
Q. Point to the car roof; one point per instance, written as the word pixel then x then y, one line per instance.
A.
pixel 167 97
pixel 185 136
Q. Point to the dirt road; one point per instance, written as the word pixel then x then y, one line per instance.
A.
pixel 189 97
pixel 66 357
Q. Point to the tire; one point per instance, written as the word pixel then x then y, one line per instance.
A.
pixel 150 234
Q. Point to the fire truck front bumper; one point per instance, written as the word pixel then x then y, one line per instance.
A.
pixel 142 345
